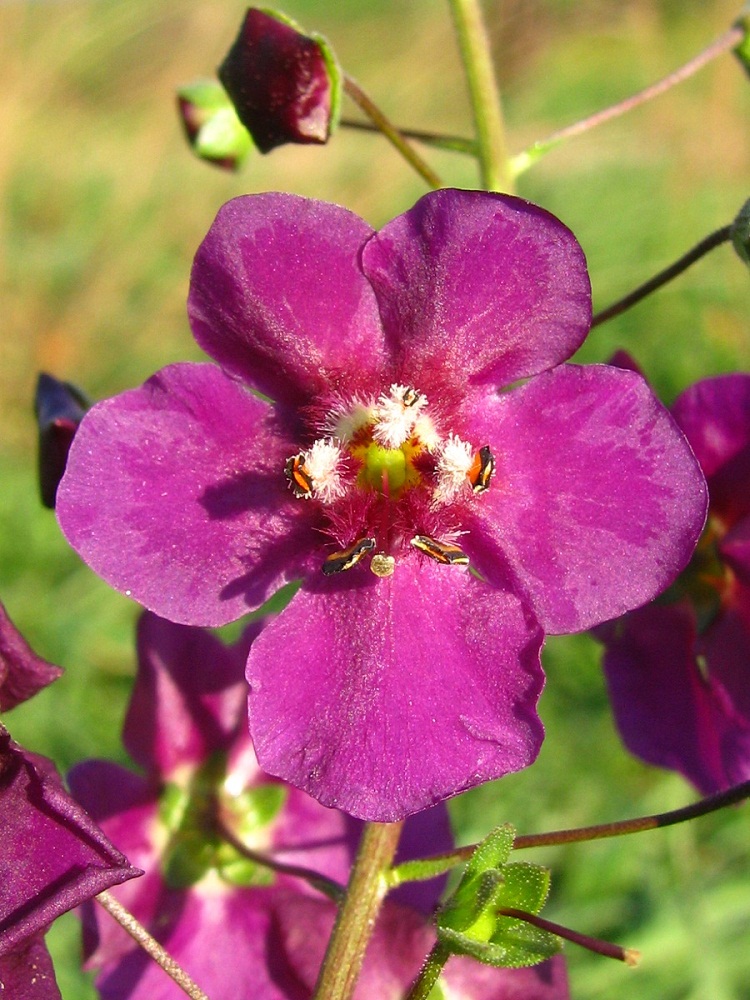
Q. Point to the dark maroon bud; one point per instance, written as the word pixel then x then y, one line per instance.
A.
pixel 59 408
pixel 285 85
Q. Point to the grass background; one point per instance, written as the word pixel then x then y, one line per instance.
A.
pixel 103 207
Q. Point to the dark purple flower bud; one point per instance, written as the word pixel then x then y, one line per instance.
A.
pixel 285 85
pixel 54 857
pixel 59 408
pixel 22 672
pixel 211 125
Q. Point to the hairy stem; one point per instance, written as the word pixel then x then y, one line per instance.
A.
pixel 357 914
pixel 150 945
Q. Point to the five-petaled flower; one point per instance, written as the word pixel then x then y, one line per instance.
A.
pixel 395 449
pixel 678 669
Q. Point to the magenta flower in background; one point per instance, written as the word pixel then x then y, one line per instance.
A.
pixel 678 670
pixel 214 910
pixel 388 460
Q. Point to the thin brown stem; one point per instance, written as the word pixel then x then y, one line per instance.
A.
pixel 729 40
pixel 454 143
pixel 663 277
pixel 606 948
pixel 712 803
pixel 150 945
pixel 333 890
pixel 389 130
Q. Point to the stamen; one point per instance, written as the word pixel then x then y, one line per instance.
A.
pixel 323 463
pixel 396 415
pixel 339 562
pixel 481 470
pixel 445 553
pixel 454 464
pixel 298 475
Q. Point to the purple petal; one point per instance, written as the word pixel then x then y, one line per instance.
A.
pixel 381 699
pixel 667 712
pixel 487 287
pixel 55 856
pixel 189 695
pixel 26 972
pixel 725 645
pixel 596 501
pixel 22 672
pixel 175 494
pixel 277 296
pixel 715 416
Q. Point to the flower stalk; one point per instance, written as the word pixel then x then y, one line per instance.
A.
pixel 357 914
pixel 150 945
pixel 389 130
pixel 476 55
pixel 725 43
pixel 429 973
pixel 707 244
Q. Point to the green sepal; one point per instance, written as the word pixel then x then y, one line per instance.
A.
pixel 187 859
pixel 255 808
pixel 742 50
pixel 469 923
pixel 740 231
pixel 224 138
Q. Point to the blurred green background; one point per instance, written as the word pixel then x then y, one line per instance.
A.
pixel 103 207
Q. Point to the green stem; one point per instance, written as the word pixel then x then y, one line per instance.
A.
pixel 729 40
pixel 151 946
pixel 389 130
pixel 357 914
pixel 429 973
pixel 476 55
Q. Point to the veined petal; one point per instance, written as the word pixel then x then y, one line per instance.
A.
pixel 383 698
pixel 479 287
pixel 667 712
pixel 597 500
pixel 174 493
pixel 277 296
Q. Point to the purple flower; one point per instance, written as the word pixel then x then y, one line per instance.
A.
pixel 22 672
pixel 187 727
pixel 388 460
pixel 53 858
pixel 679 670
pixel 285 85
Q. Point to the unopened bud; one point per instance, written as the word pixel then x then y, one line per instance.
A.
pixel 285 85
pixel 211 124
pixel 59 408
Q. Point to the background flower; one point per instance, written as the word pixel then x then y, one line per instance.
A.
pixel 678 670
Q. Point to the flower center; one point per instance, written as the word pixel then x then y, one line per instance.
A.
pixel 389 481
